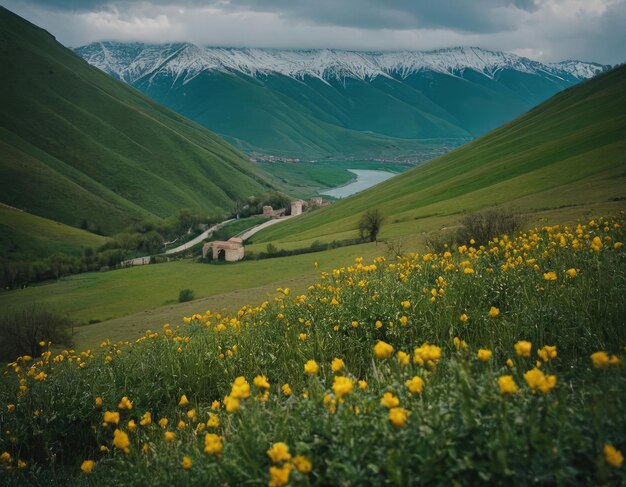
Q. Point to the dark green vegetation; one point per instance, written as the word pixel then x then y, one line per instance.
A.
pixel 79 147
pixel 569 151
pixel 29 330
pixel 511 373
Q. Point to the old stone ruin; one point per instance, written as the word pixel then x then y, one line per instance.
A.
pixel 230 250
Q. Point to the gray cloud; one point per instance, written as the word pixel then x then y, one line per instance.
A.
pixel 548 30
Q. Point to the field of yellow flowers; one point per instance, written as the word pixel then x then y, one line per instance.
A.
pixel 499 363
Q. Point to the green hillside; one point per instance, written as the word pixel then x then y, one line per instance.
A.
pixel 569 151
pixel 77 145
pixel 31 237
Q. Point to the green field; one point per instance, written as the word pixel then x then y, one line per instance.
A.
pixel 498 365
pixel 31 236
pixel 106 295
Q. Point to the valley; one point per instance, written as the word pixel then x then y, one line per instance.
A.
pixel 310 266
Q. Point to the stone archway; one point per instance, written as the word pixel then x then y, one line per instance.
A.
pixel 221 255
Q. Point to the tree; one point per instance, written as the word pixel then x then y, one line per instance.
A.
pixel 370 224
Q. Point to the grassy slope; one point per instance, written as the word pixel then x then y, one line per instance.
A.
pixel 570 150
pixel 32 236
pixel 70 133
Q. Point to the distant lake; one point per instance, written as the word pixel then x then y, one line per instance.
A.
pixel 365 178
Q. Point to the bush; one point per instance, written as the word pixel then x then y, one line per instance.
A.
pixel 486 225
pixel 21 331
pixel 185 295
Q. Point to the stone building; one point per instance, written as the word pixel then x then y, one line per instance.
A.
pixel 270 212
pixel 296 207
pixel 231 250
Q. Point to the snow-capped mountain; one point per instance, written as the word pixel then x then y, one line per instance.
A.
pixel 317 103
pixel 130 62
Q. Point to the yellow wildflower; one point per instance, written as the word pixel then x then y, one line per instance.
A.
pixel 279 452
pixel 111 417
pixel 125 403
pixel 382 350
pixel 389 400
pixel 121 441
pixel 87 466
pixel 132 426
pixel 212 444
pixel 302 464
pixel 600 359
pixel 261 382
pixel 337 365
pixel 302 337
pixel 571 272
pixel 493 312
pixel 398 416
pixel 163 422
pixel 484 355
pixel 406 304
pixel 342 386
pixel 286 389
pixel 146 419
pixel 169 436
pixel 459 344
pixel 403 358
pixel 507 385
pixel 427 354
pixel 279 476
pixel 415 385
pixel 183 401
pixel 547 353
pixel 181 424
pixel 550 276
pixel 613 456
pixel 538 381
pixel 232 404
pixel 186 463
pixel 523 348
pixel 240 388
pixel 311 367
pixel 213 421
pixel 463 317
pixel 362 384
pixel 98 401
pixel 215 405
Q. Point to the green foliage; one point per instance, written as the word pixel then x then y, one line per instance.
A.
pixel 185 295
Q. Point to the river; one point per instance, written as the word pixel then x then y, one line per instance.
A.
pixel 365 178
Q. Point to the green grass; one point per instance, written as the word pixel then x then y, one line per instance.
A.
pixel 107 295
pixel 434 343
pixel 569 151
pixel 69 133
pixel 23 235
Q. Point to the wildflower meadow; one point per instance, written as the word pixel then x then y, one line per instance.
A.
pixel 497 362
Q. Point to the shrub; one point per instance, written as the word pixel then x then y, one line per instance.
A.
pixel 22 331
pixel 486 225
pixel 185 295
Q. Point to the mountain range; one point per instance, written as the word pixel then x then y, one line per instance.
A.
pixel 334 103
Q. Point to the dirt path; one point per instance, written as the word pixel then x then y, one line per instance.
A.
pixel 245 235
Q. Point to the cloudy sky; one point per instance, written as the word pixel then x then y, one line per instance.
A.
pixel 546 30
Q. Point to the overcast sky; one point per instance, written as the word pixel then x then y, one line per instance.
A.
pixel 546 30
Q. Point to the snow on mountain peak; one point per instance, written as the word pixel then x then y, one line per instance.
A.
pixel 130 62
